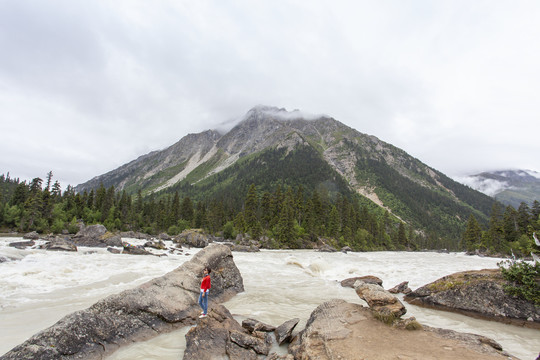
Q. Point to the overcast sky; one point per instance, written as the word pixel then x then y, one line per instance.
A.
pixel 86 86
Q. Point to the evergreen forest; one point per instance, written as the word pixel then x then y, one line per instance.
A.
pixel 287 216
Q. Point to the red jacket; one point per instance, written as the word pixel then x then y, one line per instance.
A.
pixel 205 284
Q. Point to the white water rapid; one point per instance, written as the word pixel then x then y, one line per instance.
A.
pixel 39 287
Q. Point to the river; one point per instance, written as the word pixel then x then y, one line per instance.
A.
pixel 38 287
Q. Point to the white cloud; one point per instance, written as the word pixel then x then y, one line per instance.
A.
pixel 97 84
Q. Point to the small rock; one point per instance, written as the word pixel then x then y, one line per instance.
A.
pixel 253 325
pixel 284 331
pixel 369 279
pixel 22 244
pixel 401 288
pixel 114 250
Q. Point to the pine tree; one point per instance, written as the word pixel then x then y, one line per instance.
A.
pixel 251 212
pixel 402 236
pixel 186 210
pixel 523 217
pixel 286 234
pixel 510 224
pixel 472 235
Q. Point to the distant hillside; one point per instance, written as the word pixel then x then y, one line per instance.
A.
pixel 511 187
pixel 272 147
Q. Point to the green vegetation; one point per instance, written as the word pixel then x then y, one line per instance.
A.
pixel 523 279
pixel 509 231
pixel 292 217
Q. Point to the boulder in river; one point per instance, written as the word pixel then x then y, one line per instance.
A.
pixel 284 331
pixel 477 293
pixel 401 288
pixel 220 336
pixel 96 236
pixel 31 236
pixel 368 279
pixel 22 244
pixel 59 244
pixel 341 330
pixel 159 305
pixel 384 304
pixel 194 238
pixel 134 249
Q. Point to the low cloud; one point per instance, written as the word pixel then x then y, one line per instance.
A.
pixel 490 187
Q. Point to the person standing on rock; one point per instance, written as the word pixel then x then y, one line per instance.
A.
pixel 205 288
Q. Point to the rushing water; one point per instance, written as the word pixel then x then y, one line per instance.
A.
pixel 37 288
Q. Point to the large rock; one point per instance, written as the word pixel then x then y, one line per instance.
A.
pixel 96 236
pixel 380 300
pixel 284 331
pixel 194 238
pixel 220 336
pixel 157 306
pixel 22 244
pixel 92 231
pixel 368 279
pixel 134 250
pixel 31 236
pixel 59 244
pixel 341 330
pixel 476 293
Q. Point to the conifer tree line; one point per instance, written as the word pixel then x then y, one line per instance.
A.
pixel 508 232
pixel 286 217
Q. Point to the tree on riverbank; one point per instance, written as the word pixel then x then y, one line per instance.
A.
pixel 288 215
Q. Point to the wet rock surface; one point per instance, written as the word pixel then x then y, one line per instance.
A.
pixel 160 305
pixel 220 336
pixel 341 330
pixel 476 293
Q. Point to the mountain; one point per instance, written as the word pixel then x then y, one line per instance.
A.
pixel 511 187
pixel 272 146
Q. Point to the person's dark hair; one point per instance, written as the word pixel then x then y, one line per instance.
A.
pixel 208 269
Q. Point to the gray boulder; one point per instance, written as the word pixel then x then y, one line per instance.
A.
pixel 59 244
pixel 159 245
pixel 22 244
pixel 193 238
pixel 96 236
pixel 92 231
pixel 31 236
pixel 253 325
pixel 477 293
pixel 220 336
pixel 381 301
pixel 134 250
pixel 159 305
pixel 284 331
pixel 368 279
pixel 401 288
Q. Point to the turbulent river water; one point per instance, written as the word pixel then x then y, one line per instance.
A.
pixel 39 287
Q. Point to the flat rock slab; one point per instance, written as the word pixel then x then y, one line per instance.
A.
pixel 341 330
pixel 162 304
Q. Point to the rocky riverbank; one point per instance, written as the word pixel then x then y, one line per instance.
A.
pixel 160 305
pixel 478 294
pixel 337 330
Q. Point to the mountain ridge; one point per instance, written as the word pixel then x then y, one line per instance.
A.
pixel 509 186
pixel 213 163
